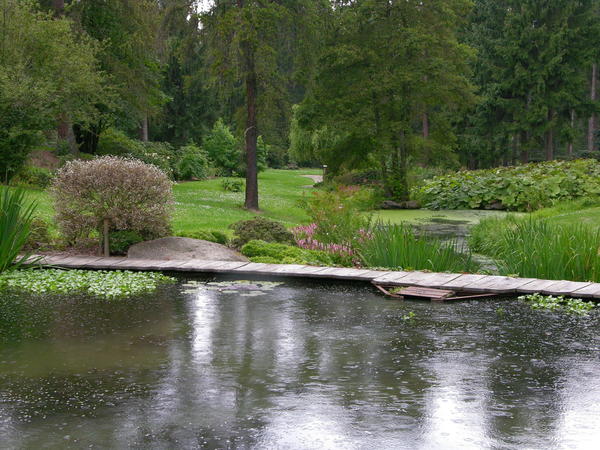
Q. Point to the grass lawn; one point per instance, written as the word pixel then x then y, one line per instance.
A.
pixel 205 205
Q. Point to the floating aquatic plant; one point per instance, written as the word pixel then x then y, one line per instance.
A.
pixel 106 284
pixel 551 303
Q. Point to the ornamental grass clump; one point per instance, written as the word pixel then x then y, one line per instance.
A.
pixel 16 217
pixel 538 248
pixel 399 247
pixel 130 194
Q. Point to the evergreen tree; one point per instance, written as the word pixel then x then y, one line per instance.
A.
pixel 384 65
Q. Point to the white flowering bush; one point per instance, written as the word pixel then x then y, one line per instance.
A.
pixel 132 195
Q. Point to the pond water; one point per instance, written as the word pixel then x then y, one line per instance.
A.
pixel 294 366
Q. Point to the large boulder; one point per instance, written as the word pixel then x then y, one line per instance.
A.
pixel 181 248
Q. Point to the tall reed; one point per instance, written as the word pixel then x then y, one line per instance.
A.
pixel 540 249
pixel 16 215
pixel 398 247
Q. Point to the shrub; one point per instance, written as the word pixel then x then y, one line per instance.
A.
pixel 262 229
pixel 398 247
pixel 223 149
pixel 274 253
pixel 133 195
pixel 212 236
pixel 232 184
pixel 116 143
pixel 522 188
pixel 39 235
pixel 36 177
pixel 16 216
pixel 337 216
pixel 537 248
pixel 120 241
pixel 192 164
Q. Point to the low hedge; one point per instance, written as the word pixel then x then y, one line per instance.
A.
pixel 521 188
pixel 273 253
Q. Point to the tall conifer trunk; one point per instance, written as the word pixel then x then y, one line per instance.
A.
pixel 592 120
pixel 425 119
pixel 144 129
pixel 251 132
pixel 64 130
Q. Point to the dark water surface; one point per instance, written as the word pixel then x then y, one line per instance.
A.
pixel 305 366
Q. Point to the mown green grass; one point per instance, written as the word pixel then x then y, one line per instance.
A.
pixel 204 205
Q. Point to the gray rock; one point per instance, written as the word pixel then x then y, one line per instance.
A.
pixel 180 248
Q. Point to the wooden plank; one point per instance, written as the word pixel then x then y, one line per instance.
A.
pixel 198 265
pixel 391 278
pixel 340 273
pixel 564 287
pixel 498 284
pixel 592 290
pixel 425 279
pixel 535 286
pixel 463 280
pixel 433 294
pixel 435 280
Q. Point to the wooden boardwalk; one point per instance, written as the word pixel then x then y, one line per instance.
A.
pixel 477 284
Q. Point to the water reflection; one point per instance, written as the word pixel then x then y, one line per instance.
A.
pixel 301 367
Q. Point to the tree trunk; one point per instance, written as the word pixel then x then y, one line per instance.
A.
pixel 251 133
pixel 251 136
pixel 549 144
pixel 144 129
pixel 59 7
pixel 549 141
pixel 592 120
pixel 570 145
pixel 425 119
pixel 524 151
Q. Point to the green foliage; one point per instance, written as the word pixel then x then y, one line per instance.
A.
pixel 121 240
pixel 398 247
pixel 16 216
pixel 223 149
pixel 36 177
pixel 538 248
pixel 383 66
pixel 39 235
pixel 46 71
pixel 336 214
pixel 260 228
pixel 232 184
pixel 116 143
pixel 104 284
pixel 160 154
pixel 521 188
pixel 212 236
pixel 192 164
pixel 274 253
pixel 561 304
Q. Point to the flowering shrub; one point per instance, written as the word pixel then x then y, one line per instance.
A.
pixel 337 220
pixel 132 195
pixel 304 236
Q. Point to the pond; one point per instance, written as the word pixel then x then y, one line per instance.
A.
pixel 295 365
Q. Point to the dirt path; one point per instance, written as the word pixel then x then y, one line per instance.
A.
pixel 315 178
